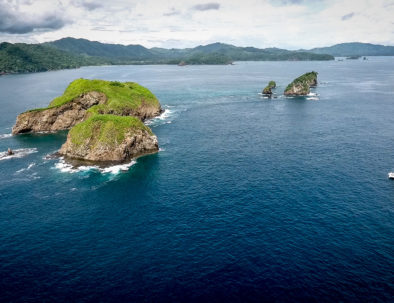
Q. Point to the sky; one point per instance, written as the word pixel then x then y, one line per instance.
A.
pixel 290 24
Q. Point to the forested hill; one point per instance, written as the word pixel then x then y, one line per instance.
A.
pixel 21 58
pixel 72 53
pixel 354 49
pixel 218 53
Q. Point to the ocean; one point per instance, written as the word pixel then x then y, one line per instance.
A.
pixel 249 199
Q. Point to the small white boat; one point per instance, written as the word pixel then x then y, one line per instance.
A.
pixel 391 175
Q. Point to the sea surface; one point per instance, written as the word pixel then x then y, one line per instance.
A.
pixel 249 199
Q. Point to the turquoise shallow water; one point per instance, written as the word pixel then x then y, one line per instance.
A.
pixel 249 199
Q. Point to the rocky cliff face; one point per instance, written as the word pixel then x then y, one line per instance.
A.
pixel 300 89
pixel 145 111
pixel 58 118
pixel 107 142
pixel 301 85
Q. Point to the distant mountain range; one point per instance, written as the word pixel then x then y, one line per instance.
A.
pixel 354 49
pixel 216 53
pixel 72 53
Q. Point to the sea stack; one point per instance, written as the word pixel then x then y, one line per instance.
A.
pixel 301 85
pixel 268 89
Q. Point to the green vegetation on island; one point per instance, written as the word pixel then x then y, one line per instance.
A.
pixel 108 129
pixel 268 89
pixel 105 118
pixel 121 97
pixel 301 85
pixel 109 138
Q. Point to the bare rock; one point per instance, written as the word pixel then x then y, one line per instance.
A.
pixel 58 118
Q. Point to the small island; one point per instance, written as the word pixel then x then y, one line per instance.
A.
pixel 301 85
pixel 105 119
pixel 109 138
pixel 268 89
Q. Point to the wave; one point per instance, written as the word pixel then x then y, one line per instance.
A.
pixel 312 96
pixel 17 153
pixel 117 168
pixel 27 168
pixel 3 136
pixel 165 117
pixel 65 167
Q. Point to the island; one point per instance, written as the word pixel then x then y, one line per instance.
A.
pixel 268 89
pixel 105 119
pixel 301 85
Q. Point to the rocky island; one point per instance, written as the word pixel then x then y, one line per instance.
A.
pixel 105 119
pixel 301 85
pixel 268 89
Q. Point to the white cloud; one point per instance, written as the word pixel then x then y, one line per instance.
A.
pixel 174 23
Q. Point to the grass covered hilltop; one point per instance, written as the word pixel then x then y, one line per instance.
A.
pixel 126 98
pixel 105 117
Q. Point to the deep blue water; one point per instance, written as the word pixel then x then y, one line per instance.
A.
pixel 250 199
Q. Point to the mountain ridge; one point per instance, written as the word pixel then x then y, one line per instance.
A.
pixel 76 52
pixel 354 49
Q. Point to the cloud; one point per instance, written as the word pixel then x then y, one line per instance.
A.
pixel 286 2
pixel 89 5
pixel 206 6
pixel 291 24
pixel 295 2
pixel 172 12
pixel 14 22
pixel 347 16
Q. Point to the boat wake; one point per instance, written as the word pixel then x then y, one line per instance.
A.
pixel 17 153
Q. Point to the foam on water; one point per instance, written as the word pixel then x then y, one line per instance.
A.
pixel 65 167
pixel 27 168
pixel 312 96
pixel 3 136
pixel 164 118
pixel 116 169
pixel 17 153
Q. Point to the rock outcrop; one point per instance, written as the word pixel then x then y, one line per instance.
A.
pixel 107 138
pixel 301 85
pixel 105 117
pixel 268 89
pixel 57 118
pixel 144 111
